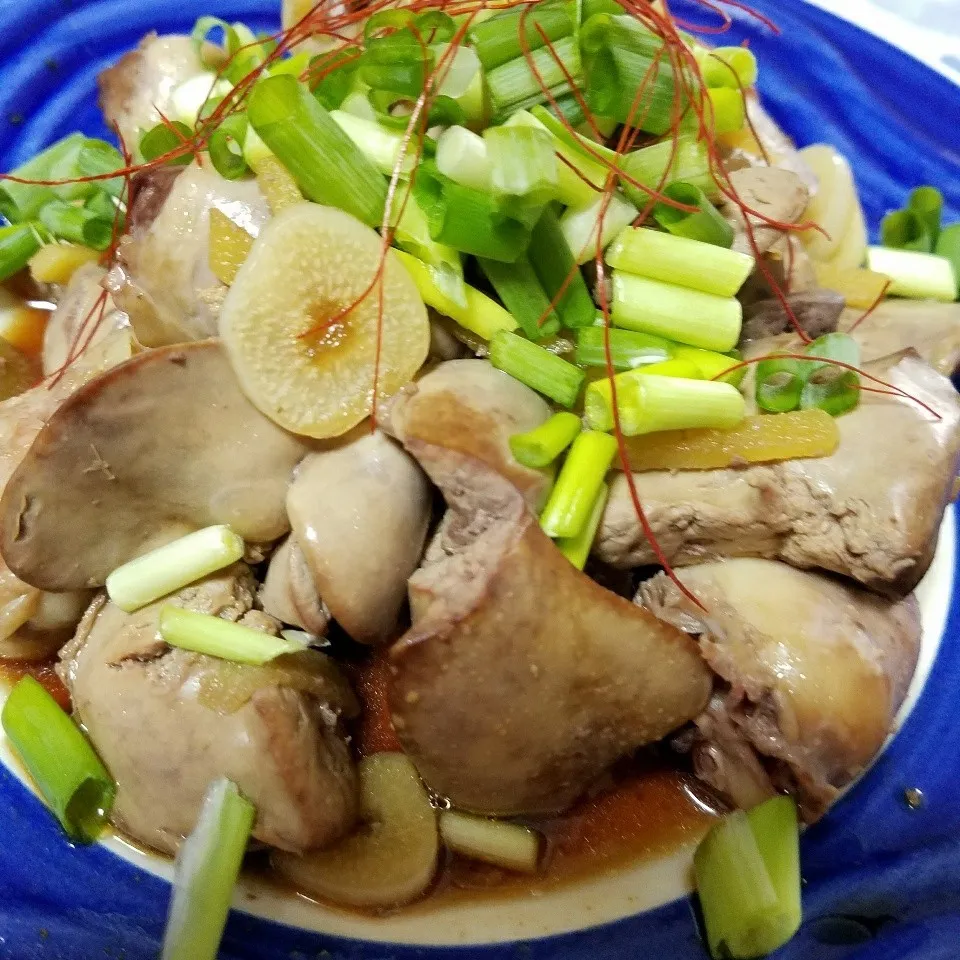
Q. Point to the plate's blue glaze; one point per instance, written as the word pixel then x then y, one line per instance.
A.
pixel 883 882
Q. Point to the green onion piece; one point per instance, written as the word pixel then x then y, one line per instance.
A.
pixel 712 365
pixel 468 220
pixel 628 349
pixel 462 156
pixel 680 260
pixel 539 447
pixel 162 139
pixel 508 845
pixel 622 57
pixel 514 85
pixel 748 879
pixel 906 230
pixel 435 26
pixel 103 205
pixel 577 549
pixel 927 204
pixel 77 224
pixel 412 234
pixel 328 166
pixel 479 314
pixel 706 225
pixel 216 637
pixel 296 65
pixel 519 289
pixel 734 67
pixel 497 40
pixel 522 162
pixel 830 387
pixel 649 402
pixel 572 499
pixel 678 313
pixel 205 874
pixel 95 158
pixel 920 276
pixel 580 226
pixel 18 243
pixel 173 566
pixel 334 77
pixel 728 109
pixel 652 166
pixel 398 62
pixel 539 369
pixel 226 147
pixel 20 202
pixel 577 189
pixel 555 266
pixel 779 384
pixel 948 246
pixel 63 765
pixel 383 148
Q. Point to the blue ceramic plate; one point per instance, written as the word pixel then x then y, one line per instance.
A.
pixel 882 880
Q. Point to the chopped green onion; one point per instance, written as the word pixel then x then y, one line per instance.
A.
pixel 514 85
pixel 18 243
pixel 63 765
pixel 678 313
pixel 462 156
pixel 542 445
pixel 20 202
pixel 828 386
pixel 627 348
pixel 580 226
pixel 217 637
pixel 171 567
pixel 498 40
pixel 621 57
pixel 398 62
pixel 507 845
pixel 712 365
pixel 383 148
pixel 226 147
pixel 328 166
pixel 162 139
pixel 77 224
pixel 748 879
pixel 734 67
pixel 706 225
pixel 680 260
pixel 728 109
pixel 539 369
pixel 927 204
pixel 652 166
pixel 948 246
pixel 648 403
pixel 191 96
pixel 577 549
pixel 779 384
pixel 479 313
pixel 578 485
pixel 555 266
pixel 469 220
pixel 906 230
pixel 519 289
pixel 103 205
pixel 920 276
pixel 334 77
pixel 522 162
pixel 205 874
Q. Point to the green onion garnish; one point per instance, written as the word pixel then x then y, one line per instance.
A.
pixel 538 368
pixel 680 260
pixel 328 166
pixel 217 637
pixel 77 224
pixel 906 230
pixel 706 225
pixel 18 243
pixel 522 162
pixel 920 276
pixel 63 765
pixel 948 246
pixel 828 386
pixel 205 874
pixel 514 85
pixel 20 202
pixel 412 234
pixel 382 147
pixel 497 40
pixel 577 549
pixel 748 879
pixel 226 147
pixel 580 226
pixel 728 110
pixel 734 67
pixel 689 316
pixel 927 204
pixel 628 349
pixel 162 139
pixel 462 156
pixel 648 402
pixel 542 445
pixel 652 166
pixel 779 384
pixel 520 292
pixel 171 567
pixel 556 267
pixel 578 485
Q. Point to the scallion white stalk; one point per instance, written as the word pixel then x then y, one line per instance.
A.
pixel 462 156
pixel 171 567
pixel 382 147
pixel 580 226
pixel 920 276
pixel 523 162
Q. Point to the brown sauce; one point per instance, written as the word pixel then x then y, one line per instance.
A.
pixel 42 671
